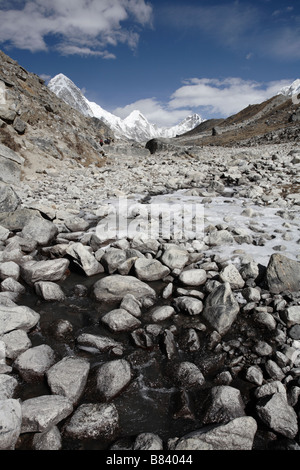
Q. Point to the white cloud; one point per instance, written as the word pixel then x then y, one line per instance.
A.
pixel 74 24
pixel 223 97
pixel 209 97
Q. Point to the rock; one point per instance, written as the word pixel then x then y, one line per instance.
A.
pixel 223 404
pixel 148 441
pixel 150 269
pixel 188 305
pixel 99 343
pixel 4 233
pixel 276 413
pixel 80 256
pixel 16 342
pixel 9 200
pixel 175 257
pixel 19 125
pixel 10 419
pixel 162 313
pixel 76 224
pixel 13 317
pixel 193 277
pixel 113 377
pixel 238 434
pixel 49 270
pixel 15 218
pixel 68 377
pixel 132 305
pixel 41 230
pixel 9 269
pixel 40 414
pixel 282 274
pixel 254 375
pixel 93 421
pixel 112 259
pixel 221 308
pixel 113 288
pixel 8 385
pixel 11 285
pixel 291 315
pixel 220 237
pixel 10 165
pixel 49 291
pixel 231 274
pixel 47 440
pixel 188 375
pixel 33 363
pixel 120 320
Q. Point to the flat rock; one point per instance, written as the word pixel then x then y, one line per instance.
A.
pixel 113 288
pixel 49 270
pixel 42 413
pixel 120 320
pixel 113 377
pixel 13 317
pixel 150 269
pixel 33 363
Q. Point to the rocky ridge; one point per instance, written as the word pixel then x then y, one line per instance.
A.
pixel 178 343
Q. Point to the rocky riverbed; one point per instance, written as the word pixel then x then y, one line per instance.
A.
pixel 115 339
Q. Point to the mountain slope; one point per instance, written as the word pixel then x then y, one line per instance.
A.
pixel 135 126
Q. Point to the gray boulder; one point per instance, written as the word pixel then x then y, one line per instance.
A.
pixel 47 440
pixel 41 230
pixel 188 305
pixel 13 317
pixel 276 413
pixel 49 291
pixel 93 421
pixel 33 363
pixel 10 419
pixel 120 320
pixel 238 434
pixel 49 270
pixel 10 165
pixel 148 441
pixel 93 343
pixel 221 308
pixel 68 377
pixel 223 404
pixel 175 257
pixel 42 413
pixel 282 274
pixel 193 277
pixel 150 269
pixel 8 385
pixel 113 288
pixel 82 257
pixel 9 200
pixel 113 377
pixel 16 342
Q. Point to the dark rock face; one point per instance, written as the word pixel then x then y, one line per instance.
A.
pixel 282 274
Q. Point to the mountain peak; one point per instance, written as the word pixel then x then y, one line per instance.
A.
pixel 135 126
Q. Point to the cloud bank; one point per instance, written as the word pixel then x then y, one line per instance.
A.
pixel 209 97
pixel 77 27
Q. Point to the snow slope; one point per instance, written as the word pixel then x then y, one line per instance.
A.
pixel 293 89
pixel 135 126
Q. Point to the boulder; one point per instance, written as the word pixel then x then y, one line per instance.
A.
pixel 223 404
pixel 82 257
pixel 120 320
pixel 113 377
pixel 33 363
pixel 41 230
pixel 10 419
pixel 221 308
pixel 91 342
pixel 150 269
pixel 276 413
pixel 93 421
pixel 238 434
pixel 49 270
pixel 9 200
pixel 13 317
pixel 10 165
pixel 49 291
pixel 41 413
pixel 47 440
pixel 188 305
pixel 68 377
pixel 16 342
pixel 8 385
pixel 175 257
pixel 113 288
pixel 193 277
pixel 148 441
pixel 282 274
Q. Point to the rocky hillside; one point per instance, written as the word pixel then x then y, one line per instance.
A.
pixel 275 120
pixel 39 127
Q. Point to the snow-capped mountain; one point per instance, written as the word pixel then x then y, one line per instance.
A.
pixel 291 90
pixel 135 126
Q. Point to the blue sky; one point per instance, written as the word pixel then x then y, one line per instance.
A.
pixel 167 58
